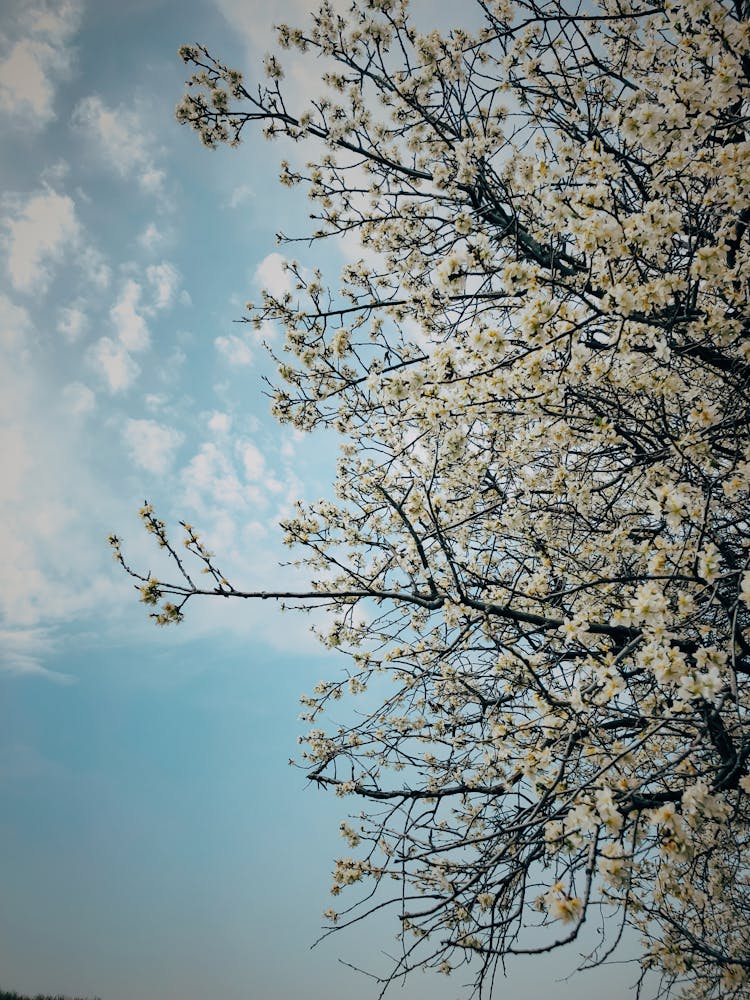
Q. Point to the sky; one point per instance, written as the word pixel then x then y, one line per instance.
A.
pixel 154 842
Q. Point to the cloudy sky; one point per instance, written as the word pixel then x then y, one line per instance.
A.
pixel 153 841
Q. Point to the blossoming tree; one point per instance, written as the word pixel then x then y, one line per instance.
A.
pixel 538 559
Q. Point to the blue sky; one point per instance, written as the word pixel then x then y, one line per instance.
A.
pixel 153 840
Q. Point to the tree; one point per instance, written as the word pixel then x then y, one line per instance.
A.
pixel 537 562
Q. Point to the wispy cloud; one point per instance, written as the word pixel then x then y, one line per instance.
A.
pixel 232 478
pixel 112 361
pixel 52 570
pixel 112 357
pixel 151 237
pixel 15 323
pixel 241 194
pixel 236 492
pixel 79 398
pixel 72 322
pixel 128 321
pixel 121 139
pixel 164 280
pixel 22 651
pixel 253 461
pixel 212 481
pixel 256 27
pixel 235 350
pixel 152 445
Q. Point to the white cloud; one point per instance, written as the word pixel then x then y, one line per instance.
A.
pixel 112 358
pixel 113 363
pixel 155 401
pixel 39 234
pixel 164 279
pixel 54 19
pixel 237 522
pixel 95 268
pixel 54 566
pixel 24 84
pixel 72 323
pixel 236 350
pixel 152 445
pixel 121 138
pixel 35 62
pixel 151 179
pixel 151 237
pixel 227 478
pixel 272 275
pixel 15 324
pixel 132 329
pixel 211 481
pixel 219 423
pixel 78 398
pixel 267 331
pixel 252 460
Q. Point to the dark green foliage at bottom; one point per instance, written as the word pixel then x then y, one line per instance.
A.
pixel 12 995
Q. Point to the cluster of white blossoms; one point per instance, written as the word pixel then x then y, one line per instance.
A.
pixel 538 558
